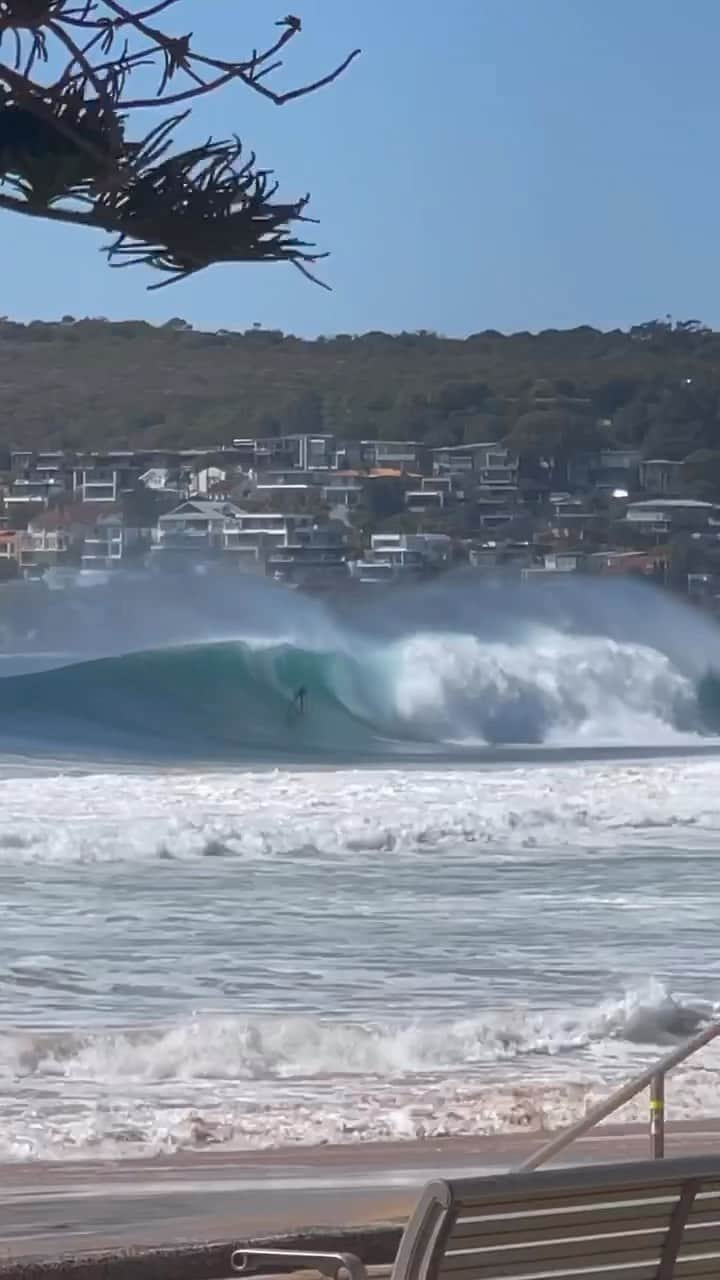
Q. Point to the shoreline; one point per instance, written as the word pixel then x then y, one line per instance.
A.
pixel 23 762
pixel 89 1219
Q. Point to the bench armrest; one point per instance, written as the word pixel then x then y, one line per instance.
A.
pixel 248 1261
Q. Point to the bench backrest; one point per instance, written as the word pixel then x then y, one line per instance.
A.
pixel 648 1221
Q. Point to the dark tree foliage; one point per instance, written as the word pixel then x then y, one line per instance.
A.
pixel 558 394
pixel 554 433
pixel 74 147
pixel 701 474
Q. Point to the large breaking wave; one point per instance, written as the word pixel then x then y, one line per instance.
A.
pixel 452 666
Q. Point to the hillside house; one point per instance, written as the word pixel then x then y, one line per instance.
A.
pixel 661 517
pixel 661 476
pixel 196 526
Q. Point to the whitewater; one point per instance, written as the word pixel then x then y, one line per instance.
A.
pixel 476 884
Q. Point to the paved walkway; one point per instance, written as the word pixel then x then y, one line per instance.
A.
pixel 50 1209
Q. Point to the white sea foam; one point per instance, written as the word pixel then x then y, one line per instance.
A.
pixel 313 956
pixel 228 1047
pixel 542 684
pixel 183 816
pixel 269 1082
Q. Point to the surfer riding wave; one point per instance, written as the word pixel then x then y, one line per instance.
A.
pixel 297 706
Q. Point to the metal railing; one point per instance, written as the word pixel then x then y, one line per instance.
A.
pixel 654 1079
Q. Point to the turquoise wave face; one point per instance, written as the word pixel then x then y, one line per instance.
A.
pixel 193 700
pixel 708 693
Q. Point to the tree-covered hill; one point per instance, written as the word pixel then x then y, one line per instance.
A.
pixel 91 383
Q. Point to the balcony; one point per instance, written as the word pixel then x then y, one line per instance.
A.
pixel 254 540
pixel 102 552
pixel 193 540
pixel 98 491
pixel 504 476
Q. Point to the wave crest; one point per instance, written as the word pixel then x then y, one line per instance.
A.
pixel 229 1047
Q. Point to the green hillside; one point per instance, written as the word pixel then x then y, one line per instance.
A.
pixel 91 383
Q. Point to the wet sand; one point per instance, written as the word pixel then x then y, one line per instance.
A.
pixel 49 1210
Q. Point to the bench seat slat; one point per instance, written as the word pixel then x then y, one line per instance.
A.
pixel 581 1202
pixel 525 1224
pixel 574 1269
pixel 704 1240
pixel 704 1211
pixel 523 1216
pixel 594 1181
pixel 625 1230
pixel 636 1242
pixel 570 1254
pixel 588 1264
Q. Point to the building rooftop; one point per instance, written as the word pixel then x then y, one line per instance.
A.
pixel 392 473
pixel 651 503
pixel 467 448
pixel 403 444
pixel 204 507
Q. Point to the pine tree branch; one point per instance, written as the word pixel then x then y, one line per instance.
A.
pixel 70 151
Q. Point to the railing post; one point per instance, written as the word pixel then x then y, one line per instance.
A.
pixel 657 1116
pixel 653 1077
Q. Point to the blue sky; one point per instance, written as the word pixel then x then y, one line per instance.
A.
pixel 509 164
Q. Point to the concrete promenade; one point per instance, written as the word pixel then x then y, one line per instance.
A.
pixel 110 1218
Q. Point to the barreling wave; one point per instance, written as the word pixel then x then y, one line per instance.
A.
pixel 454 664
pixel 194 699
pixel 428 690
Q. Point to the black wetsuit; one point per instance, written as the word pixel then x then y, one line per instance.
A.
pixel 299 698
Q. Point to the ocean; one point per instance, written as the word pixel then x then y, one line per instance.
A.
pixel 472 887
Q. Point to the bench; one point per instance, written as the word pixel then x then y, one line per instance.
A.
pixel 642 1221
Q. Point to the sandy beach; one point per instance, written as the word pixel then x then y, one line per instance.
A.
pixel 53 1210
